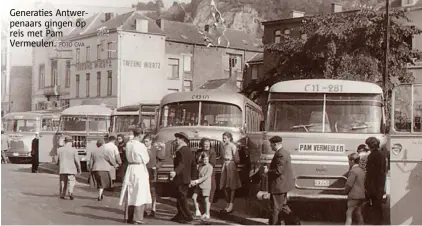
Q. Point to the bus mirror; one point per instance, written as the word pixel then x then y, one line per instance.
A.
pixel 262 126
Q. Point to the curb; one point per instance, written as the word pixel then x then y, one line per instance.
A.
pixel 215 212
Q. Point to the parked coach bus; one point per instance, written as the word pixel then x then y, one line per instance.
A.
pixel 206 113
pixel 21 128
pixel 406 155
pixel 123 118
pixel 86 124
pixel 321 122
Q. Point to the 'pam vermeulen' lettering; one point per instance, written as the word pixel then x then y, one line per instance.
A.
pixel 339 148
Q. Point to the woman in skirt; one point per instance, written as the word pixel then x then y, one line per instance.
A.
pixel 229 180
pixel 100 163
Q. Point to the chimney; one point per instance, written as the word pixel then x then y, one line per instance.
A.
pixel 207 28
pixel 336 8
pixel 295 14
pixel 141 25
pixel 108 16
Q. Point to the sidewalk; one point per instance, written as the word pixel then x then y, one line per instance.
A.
pixel 243 207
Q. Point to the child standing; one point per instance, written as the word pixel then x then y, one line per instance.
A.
pixel 363 152
pixel 355 188
pixel 229 180
pixel 204 186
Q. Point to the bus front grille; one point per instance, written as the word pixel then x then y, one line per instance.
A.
pixel 79 142
pixel 195 144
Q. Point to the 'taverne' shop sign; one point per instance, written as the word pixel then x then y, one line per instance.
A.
pixel 99 64
pixel 141 64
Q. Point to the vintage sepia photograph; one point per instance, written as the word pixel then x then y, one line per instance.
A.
pixel 211 112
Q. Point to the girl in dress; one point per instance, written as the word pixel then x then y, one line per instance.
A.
pixel 229 180
pixel 202 186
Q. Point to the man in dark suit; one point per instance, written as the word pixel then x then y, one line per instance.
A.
pixel 376 170
pixel 184 166
pixel 35 153
pixel 280 181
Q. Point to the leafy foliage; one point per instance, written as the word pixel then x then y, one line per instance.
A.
pixel 346 45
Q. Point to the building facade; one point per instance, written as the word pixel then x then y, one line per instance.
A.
pixel 5 71
pixel 20 88
pixel 130 58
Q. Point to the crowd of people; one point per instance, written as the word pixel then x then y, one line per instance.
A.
pixel 138 159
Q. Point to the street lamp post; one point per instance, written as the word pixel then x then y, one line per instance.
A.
pixel 387 45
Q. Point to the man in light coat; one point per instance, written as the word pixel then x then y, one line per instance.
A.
pixel 69 166
pixel 111 147
pixel 4 147
pixel 136 188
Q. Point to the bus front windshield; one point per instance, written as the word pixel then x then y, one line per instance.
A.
pixel 122 123
pixel 212 114
pixel 21 125
pixel 73 123
pixel 344 113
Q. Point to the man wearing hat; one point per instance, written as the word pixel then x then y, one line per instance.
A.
pixel 69 165
pixel 184 166
pixel 280 181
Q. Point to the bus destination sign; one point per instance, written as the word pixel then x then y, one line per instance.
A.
pixel 200 97
pixel 327 148
pixel 324 88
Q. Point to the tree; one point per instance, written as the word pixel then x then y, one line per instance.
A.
pixel 346 45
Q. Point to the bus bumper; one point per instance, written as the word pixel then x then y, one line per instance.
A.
pixel 295 196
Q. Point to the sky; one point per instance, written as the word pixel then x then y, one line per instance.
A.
pixel 23 56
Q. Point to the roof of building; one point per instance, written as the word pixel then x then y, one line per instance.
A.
pixel 290 20
pixel 124 21
pixel 259 57
pixel 181 32
pixel 22 71
pixel 189 33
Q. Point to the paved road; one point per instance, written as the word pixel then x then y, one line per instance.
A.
pixel 29 198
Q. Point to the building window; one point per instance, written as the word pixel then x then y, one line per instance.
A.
pixel 41 79
pixel 173 69
pixel 54 77
pixel 109 50
pixel 235 62
pixel 172 90
pixel 98 83
pixel 67 75
pixel 87 84
pixel 187 85
pixel 187 63
pixel 78 54
pixel 99 52
pixel 88 53
pixel 109 83
pixel 255 71
pixel 277 36
pixel 77 85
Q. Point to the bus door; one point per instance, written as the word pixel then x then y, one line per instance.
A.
pixel 48 142
pixel 406 155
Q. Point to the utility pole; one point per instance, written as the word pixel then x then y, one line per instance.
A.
pixel 387 46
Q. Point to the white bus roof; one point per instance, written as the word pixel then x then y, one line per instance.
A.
pixel 213 95
pixel 88 110
pixel 325 86
pixel 23 115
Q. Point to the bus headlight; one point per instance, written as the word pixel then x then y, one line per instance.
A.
pixel 160 145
